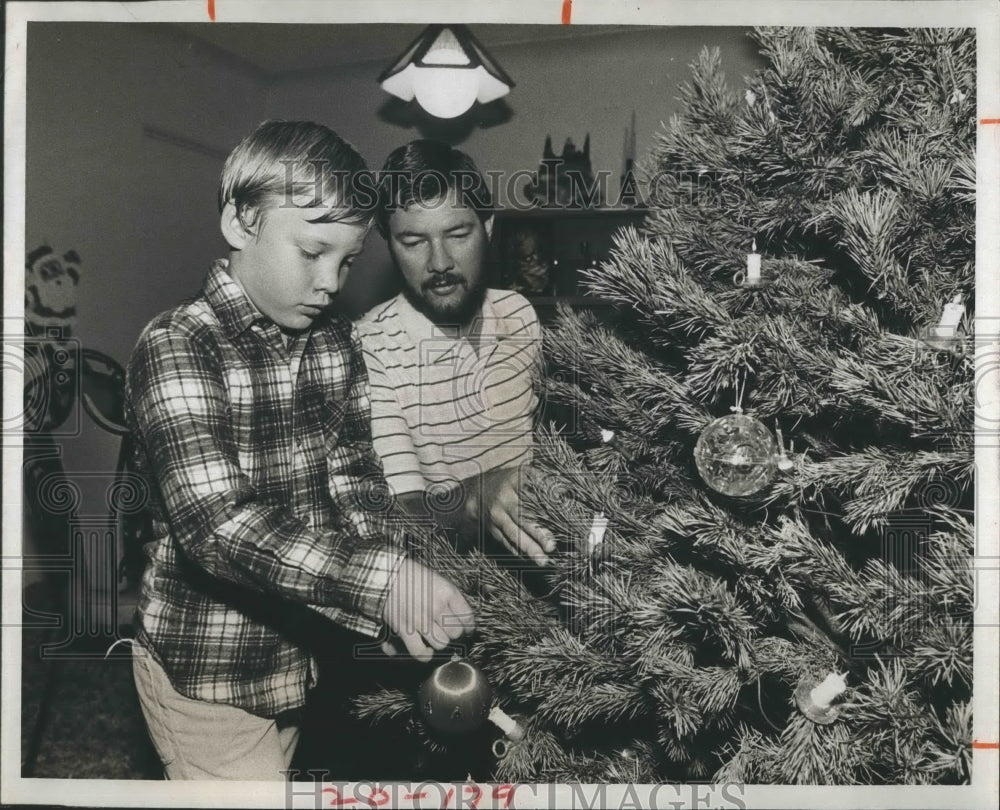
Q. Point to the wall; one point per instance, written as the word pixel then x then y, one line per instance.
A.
pixel 140 212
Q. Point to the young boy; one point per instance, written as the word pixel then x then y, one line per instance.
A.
pixel 251 408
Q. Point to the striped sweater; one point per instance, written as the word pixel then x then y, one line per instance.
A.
pixel 441 411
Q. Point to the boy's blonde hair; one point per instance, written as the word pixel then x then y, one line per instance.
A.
pixel 286 162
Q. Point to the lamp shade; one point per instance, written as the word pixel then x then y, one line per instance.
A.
pixel 447 71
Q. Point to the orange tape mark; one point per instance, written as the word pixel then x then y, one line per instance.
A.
pixel 567 11
pixel 989 120
pixel 211 10
pixel 977 743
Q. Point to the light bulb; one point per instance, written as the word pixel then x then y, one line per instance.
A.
pixel 445 92
pixel 449 90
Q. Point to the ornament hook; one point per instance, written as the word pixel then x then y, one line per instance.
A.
pixel 739 391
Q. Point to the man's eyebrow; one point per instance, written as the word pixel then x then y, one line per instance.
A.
pixel 458 226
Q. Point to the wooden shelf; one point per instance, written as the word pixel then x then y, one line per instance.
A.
pixel 546 250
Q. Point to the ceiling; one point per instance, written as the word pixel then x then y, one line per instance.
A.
pixel 275 50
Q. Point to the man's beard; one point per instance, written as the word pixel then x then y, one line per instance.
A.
pixel 448 313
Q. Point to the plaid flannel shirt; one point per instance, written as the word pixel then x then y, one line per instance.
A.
pixel 265 496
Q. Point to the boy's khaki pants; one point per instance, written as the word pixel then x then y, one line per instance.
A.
pixel 196 739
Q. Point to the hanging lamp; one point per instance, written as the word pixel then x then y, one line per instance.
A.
pixel 447 71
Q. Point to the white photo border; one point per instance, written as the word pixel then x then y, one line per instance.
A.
pixel 982 15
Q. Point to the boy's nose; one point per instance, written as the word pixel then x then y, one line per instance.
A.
pixel 328 279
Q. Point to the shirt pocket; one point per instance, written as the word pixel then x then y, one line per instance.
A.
pixel 332 418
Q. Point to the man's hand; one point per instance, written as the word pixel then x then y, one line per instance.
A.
pixel 425 610
pixel 501 504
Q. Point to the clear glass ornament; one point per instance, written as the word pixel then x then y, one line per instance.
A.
pixel 736 455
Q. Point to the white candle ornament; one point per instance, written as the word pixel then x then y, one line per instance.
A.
pixel 784 462
pixel 951 317
pixel 607 435
pixel 823 694
pixel 597 529
pixel 507 724
pixel 753 265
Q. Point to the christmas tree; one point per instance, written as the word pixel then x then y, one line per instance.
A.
pixel 790 604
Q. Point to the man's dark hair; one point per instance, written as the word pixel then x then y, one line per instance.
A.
pixel 423 171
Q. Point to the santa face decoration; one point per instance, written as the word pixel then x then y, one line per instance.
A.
pixel 50 288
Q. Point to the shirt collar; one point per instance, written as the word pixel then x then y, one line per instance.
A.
pixel 445 346
pixel 235 311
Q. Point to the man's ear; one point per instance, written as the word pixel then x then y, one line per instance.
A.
pixel 488 225
pixel 233 229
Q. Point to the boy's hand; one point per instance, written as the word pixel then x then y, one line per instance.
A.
pixel 502 505
pixel 425 610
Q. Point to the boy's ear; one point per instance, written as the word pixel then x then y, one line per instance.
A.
pixel 233 229
pixel 488 225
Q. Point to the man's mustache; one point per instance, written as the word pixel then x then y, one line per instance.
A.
pixel 442 281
